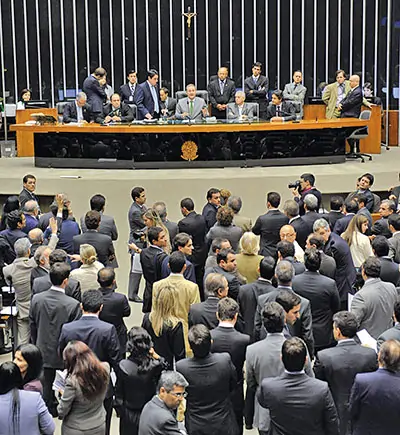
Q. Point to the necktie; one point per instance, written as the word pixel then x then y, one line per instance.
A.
pixel 295 87
pixel 155 99
pixel 221 86
pixel 132 90
pixel 255 79
pixel 191 108
pixel 278 110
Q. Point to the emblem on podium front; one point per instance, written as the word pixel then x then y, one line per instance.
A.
pixel 189 151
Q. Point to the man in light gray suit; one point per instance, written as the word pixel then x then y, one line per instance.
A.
pixel 191 107
pixel 394 241
pixel 392 333
pixel 373 304
pixel 263 360
pixel 158 416
pixel 107 223
pixel 295 92
pixel 239 110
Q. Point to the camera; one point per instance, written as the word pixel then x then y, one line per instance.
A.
pixel 294 185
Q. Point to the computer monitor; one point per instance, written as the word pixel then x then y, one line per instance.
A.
pixel 314 99
pixel 36 104
pixel 69 94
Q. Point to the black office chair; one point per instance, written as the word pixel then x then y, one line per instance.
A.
pixel 360 133
pixel 134 110
pixel 60 109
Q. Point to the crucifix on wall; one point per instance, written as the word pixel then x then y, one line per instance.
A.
pixel 189 15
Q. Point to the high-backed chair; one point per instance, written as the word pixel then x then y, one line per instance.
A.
pixel 360 133
pixel 134 109
pixel 199 93
pixel 60 109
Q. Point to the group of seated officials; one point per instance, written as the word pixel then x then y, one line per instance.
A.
pixel 147 101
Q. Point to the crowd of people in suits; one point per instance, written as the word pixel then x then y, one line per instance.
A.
pixel 244 324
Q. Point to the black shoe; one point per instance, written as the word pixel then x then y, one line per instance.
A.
pixel 5 350
pixel 136 299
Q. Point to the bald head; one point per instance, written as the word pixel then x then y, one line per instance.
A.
pixel 31 207
pixel 106 277
pixel 288 233
pixel 354 81
pixel 36 236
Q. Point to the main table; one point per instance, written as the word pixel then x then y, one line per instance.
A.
pixel 177 144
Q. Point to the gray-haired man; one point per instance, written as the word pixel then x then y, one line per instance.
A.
pixel 78 110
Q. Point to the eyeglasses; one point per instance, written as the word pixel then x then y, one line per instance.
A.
pixel 179 395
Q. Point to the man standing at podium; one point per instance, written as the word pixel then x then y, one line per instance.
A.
pixel 148 97
pixel 96 95
pixel 128 91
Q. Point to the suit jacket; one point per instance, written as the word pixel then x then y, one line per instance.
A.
pixel 332 217
pixel 242 222
pixel 172 228
pixel 351 104
pixel 259 88
pixel 194 224
pixel 136 224
pixel 43 283
pixel 70 113
pixel 342 224
pixel 299 267
pixel 208 406
pixel 314 191
pixel 158 419
pixel 373 306
pixel 107 226
pixel 288 112
pixel 345 276
pixel 302 327
pixel 309 218
pixel 296 95
pixel 25 196
pixel 115 308
pixel 170 105
pixel 50 310
pixel 381 228
pixel 144 100
pixel 233 282
pixel 374 403
pixel 301 227
pixel 210 215
pixel 215 96
pixel 102 243
pixel 394 247
pixel 37 272
pixel 204 313
pixel 183 106
pixel 267 227
pixel 298 405
pixel 330 97
pixel 390 334
pixel 247 110
pixel 96 95
pixel 389 271
pixel 324 299
pixel 338 366
pixel 328 266
pixel 231 233
pixel 124 112
pixel 369 195
pixel 126 93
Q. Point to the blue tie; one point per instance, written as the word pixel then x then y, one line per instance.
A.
pixel 154 95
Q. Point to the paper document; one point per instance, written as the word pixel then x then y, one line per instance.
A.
pixel 59 380
pixel 367 340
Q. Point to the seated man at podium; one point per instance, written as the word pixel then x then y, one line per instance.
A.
pixel 239 110
pixel 295 92
pixel 78 110
pixel 115 111
pixel 278 110
pixel 192 107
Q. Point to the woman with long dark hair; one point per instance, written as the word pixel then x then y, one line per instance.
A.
pixel 11 204
pixel 29 360
pixel 136 380
pixel 81 406
pixel 21 412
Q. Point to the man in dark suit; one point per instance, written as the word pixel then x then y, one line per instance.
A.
pixel 49 311
pixel 205 313
pixel 298 310
pixel 102 243
pixel 147 98
pixel 323 295
pixel 99 336
pixel 194 224
pixel 226 339
pixel 394 332
pixel 279 110
pixel 336 247
pixel 115 111
pixel 389 269
pixel 336 213
pixel 311 211
pixel 151 259
pixel 394 241
pixel 158 416
pixel 298 404
pixel 128 91
pixel 210 209
pixel 375 397
pixel 249 294
pixel 339 365
pixel 28 191
pixel 351 208
pixel 291 210
pixel 43 283
pixel 256 89
pixel 286 252
pixel 381 226
pixel 168 104
pixel 209 408
pixel 115 306
pixel 328 264
pixel 221 91
pixel 350 106
pixel 15 223
pixel 107 223
pixel 268 225
pixel 306 186
pixel 78 110
pixel 96 94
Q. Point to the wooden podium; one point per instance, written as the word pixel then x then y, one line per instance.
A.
pixel 25 147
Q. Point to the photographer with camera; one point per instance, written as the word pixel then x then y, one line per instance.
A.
pixel 301 188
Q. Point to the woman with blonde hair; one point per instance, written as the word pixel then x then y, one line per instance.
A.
pixel 359 243
pixel 248 260
pixel 165 328
pixel 87 273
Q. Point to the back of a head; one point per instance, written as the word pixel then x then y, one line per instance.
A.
pixel 13 219
pixel 11 204
pixel 389 356
pixel 65 211
pixel 22 247
pixel 225 216
pixel 274 199
pixel 169 379
pixel 294 353
pixel 372 267
pixel 312 259
pixel 88 254
pixel 139 342
pixel 284 272
pixel 316 240
pixel 267 267
pixel 187 203
pixel 106 277
pixel 214 282
pixel 361 199
pixel 351 206
pixel 235 203
pixel 311 202
pixel 97 203
pixel 176 261
pixel 59 272
pixel 285 248
pixel 397 309
pixel 92 220
pixel 10 377
pixel 217 244
pixel 394 220
pixel 227 309
pixel 100 72
pixel 291 208
pixel 36 236
pixel 336 202
pixel 249 243
pixel 273 317
pixel 161 208
pixel 40 254
pixel 380 245
pixel 58 256
pixel 92 300
pixel 346 321
pixel 30 206
pixel 200 340
pixel 287 300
